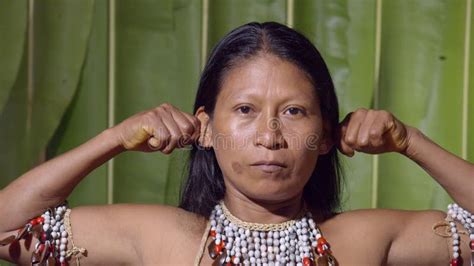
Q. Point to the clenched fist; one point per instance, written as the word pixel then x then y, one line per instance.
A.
pixel 163 128
pixel 372 131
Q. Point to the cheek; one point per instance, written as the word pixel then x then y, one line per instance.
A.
pixel 237 168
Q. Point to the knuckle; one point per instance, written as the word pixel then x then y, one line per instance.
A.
pixel 165 105
pixel 373 133
pixel 386 114
pixel 360 110
pixel 362 143
pixel 188 129
pixel 349 140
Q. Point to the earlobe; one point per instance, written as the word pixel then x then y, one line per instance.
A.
pixel 205 139
pixel 325 146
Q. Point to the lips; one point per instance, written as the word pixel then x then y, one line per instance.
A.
pixel 269 166
pixel 270 162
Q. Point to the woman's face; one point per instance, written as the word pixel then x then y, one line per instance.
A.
pixel 267 112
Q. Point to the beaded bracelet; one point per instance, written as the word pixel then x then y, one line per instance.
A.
pixel 456 213
pixel 49 229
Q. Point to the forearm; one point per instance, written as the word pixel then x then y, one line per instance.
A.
pixel 51 182
pixel 454 174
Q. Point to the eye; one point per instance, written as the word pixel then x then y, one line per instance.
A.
pixel 295 111
pixel 244 109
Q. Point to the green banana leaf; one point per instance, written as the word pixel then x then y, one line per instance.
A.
pixel 13 21
pixel 86 116
pixel 421 83
pixel 61 30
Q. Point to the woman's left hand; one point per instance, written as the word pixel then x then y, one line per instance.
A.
pixel 372 131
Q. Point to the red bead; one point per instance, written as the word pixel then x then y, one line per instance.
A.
pixel 228 264
pixel 39 220
pixel 43 236
pixel 455 262
pixel 471 244
pixel 217 249
pixel 322 241
pixel 33 222
pixel 222 244
pixel 320 249
pixel 212 233
pixel 307 261
pixel 40 248
pixel 64 263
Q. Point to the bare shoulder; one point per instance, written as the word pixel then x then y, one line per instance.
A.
pixel 367 217
pixel 144 231
pixel 389 236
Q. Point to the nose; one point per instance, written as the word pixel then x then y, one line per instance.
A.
pixel 269 133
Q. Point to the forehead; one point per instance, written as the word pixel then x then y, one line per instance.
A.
pixel 269 77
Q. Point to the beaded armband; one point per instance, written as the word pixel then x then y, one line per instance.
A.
pixel 448 229
pixel 52 231
pixel 456 213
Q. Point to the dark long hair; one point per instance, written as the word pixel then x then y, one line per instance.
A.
pixel 204 186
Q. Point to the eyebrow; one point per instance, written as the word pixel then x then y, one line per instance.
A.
pixel 303 96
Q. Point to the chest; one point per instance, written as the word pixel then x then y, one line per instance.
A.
pixel 349 248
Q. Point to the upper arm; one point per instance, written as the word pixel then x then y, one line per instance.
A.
pixel 107 232
pixel 415 242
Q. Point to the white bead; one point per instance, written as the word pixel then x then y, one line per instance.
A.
pixel 62 247
pixel 63 240
pixel 54 234
pixel 455 255
pixel 257 253
pixel 45 227
pixel 61 259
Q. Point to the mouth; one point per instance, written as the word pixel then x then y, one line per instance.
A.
pixel 269 166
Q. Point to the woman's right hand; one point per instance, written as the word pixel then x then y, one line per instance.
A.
pixel 163 128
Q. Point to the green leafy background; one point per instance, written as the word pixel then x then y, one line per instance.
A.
pixel 72 68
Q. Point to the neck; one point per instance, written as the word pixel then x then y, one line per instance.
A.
pixel 260 211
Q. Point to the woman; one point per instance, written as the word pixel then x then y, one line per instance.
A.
pixel 264 138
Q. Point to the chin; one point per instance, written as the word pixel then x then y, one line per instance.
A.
pixel 273 191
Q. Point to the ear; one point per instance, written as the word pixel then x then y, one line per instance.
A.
pixel 205 136
pixel 327 141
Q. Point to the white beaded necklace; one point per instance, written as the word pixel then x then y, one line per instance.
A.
pixel 295 242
